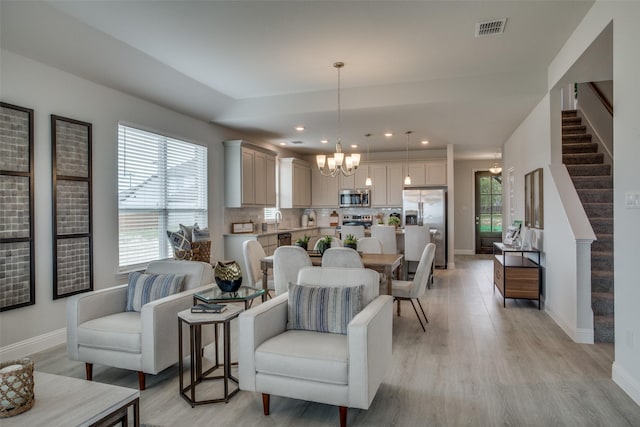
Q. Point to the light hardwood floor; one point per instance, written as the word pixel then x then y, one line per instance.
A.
pixel 478 364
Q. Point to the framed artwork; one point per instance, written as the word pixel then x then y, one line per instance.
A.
pixel 72 207
pixel 17 269
pixel 533 199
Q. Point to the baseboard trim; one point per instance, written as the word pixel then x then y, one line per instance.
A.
pixel 578 335
pixel 464 252
pixel 33 345
pixel 627 383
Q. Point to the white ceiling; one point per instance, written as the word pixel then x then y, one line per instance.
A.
pixel 264 67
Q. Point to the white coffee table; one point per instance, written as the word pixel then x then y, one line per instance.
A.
pixel 63 401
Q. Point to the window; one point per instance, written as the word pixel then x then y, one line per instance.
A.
pixel 162 183
pixel 270 214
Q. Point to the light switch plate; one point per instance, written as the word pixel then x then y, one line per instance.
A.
pixel 632 200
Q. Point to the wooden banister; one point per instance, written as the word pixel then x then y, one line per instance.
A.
pixel 602 98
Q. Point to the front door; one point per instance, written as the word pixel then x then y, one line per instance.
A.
pixel 488 211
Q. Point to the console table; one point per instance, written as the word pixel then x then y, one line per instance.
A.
pixel 516 276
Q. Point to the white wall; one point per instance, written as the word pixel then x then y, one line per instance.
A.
pixel 626 69
pixel 50 91
pixel 464 215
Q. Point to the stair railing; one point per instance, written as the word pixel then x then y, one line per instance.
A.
pixel 601 97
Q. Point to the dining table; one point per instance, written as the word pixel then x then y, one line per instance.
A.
pixel 389 264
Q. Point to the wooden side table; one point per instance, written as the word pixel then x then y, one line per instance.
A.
pixel 195 321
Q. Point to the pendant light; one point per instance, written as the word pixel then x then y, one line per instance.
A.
pixel 407 179
pixel 368 182
pixel 347 165
pixel 495 169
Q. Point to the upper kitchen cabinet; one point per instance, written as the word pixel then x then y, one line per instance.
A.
pixel 295 183
pixel 428 173
pixel 324 190
pixel 356 180
pixel 250 175
pixel 388 183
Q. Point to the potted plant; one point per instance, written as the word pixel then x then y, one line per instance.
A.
pixel 394 220
pixel 303 242
pixel 324 243
pixel 351 242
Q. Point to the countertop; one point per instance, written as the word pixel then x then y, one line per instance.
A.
pixel 274 232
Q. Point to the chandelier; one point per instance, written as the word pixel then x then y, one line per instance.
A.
pixel 339 163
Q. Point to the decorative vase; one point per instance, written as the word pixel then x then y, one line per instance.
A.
pixel 353 246
pixel 228 275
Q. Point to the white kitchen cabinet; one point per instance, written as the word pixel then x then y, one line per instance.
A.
pixel 295 183
pixel 379 187
pixel 395 183
pixel 324 190
pixel 250 176
pixel 428 173
pixel 357 180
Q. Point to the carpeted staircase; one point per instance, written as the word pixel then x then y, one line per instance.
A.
pixel 593 180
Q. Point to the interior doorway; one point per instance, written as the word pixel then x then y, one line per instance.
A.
pixel 488 215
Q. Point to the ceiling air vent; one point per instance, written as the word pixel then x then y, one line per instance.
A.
pixel 489 28
pixel 297 142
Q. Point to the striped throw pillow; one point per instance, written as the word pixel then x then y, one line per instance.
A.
pixel 323 308
pixel 144 288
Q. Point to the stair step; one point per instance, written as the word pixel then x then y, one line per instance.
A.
pixel 601 261
pixel 602 225
pixel 602 281
pixel 578 137
pixel 580 182
pixel 571 129
pixel 568 121
pixel 602 303
pixel 604 242
pixel 598 210
pixel 583 147
pixel 569 113
pixel 589 170
pixel 603 329
pixel 595 195
pixel 583 158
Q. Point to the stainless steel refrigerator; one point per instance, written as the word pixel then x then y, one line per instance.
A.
pixel 428 206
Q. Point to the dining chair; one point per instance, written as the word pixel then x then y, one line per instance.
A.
pixel 287 261
pixel 335 242
pixel 387 236
pixel 342 257
pixel 416 238
pixel 356 230
pixel 402 290
pixel 253 252
pixel 369 245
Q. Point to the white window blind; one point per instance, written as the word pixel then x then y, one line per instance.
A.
pixel 270 214
pixel 162 183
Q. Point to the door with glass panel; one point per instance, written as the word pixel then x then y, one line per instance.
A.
pixel 488 191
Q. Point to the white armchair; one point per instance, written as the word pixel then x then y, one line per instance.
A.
pixel 342 370
pixel 99 330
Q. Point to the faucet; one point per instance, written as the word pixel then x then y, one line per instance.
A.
pixel 278 219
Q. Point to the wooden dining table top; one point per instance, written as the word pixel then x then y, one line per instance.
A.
pixel 382 263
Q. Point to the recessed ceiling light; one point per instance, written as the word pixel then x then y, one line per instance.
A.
pixel 425 142
pixel 354 145
pixel 299 128
pixel 283 143
pixel 325 141
pixel 388 134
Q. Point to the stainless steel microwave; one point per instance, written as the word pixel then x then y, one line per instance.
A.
pixel 354 198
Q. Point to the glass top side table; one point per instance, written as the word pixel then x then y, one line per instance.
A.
pixel 245 294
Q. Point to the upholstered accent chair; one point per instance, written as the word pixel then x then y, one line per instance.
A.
pixel 342 257
pixel 403 290
pixel 287 262
pixel 330 368
pixel 416 238
pixel 100 330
